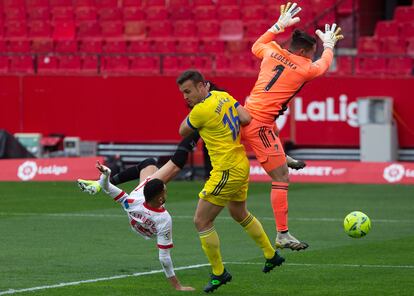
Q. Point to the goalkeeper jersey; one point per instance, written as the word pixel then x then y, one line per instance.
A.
pixel 147 221
pixel 282 74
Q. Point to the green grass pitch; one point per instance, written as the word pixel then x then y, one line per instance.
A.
pixel 51 234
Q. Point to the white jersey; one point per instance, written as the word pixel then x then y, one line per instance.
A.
pixel 147 221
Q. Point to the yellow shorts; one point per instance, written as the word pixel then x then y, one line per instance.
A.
pixel 228 185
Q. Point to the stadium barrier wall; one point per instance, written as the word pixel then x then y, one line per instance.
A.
pixel 50 169
pixel 150 109
pixel 344 172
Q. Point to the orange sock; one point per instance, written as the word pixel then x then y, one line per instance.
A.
pixel 279 202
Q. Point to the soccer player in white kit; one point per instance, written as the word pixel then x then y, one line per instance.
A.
pixel 145 204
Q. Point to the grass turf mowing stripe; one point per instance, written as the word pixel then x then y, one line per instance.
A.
pixel 13 291
pixel 322 219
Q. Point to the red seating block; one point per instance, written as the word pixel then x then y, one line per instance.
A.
pixel 64 30
pixel 89 29
pixel 107 3
pixel 15 30
pixel 242 64
pixel 46 64
pixel 21 64
pixel 199 3
pixel 42 45
pixel 132 3
pixel 400 66
pixel 4 64
pixel 60 3
pixel 204 64
pixel 115 64
pixel 112 29
pixel 229 13
pixel 213 46
pixel 13 3
pixel 66 46
pixel 228 3
pixel 164 46
pixel 135 30
pixel 404 14
pixel 181 13
pixel 387 29
pixel 62 13
pixel 37 3
pixel 410 48
pixel 89 64
pixel 69 64
pixel 370 65
pixel 369 45
pixel 156 13
pixel 208 29
pixel 85 14
pixel 18 46
pixel 239 46
pixel 257 13
pixel 133 14
pixel 205 12
pixel 90 46
pixel 184 29
pixel 110 14
pixel 255 29
pixel 39 13
pixel 85 3
pixel 39 29
pixel 160 29
pixel 347 7
pixel 115 46
pixel 179 3
pixel 231 30
pixel 154 3
pixel 344 65
pixel 170 65
pixel 187 46
pixel 145 65
pixel 222 65
pixel 142 46
pixel 320 6
pixel 15 13
pixel 394 46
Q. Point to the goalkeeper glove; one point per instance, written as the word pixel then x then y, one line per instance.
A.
pixel 331 36
pixel 286 19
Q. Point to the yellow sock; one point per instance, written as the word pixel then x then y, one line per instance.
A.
pixel 211 246
pixel 255 230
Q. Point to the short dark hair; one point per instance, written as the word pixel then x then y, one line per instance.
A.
pixel 302 40
pixel 152 189
pixel 192 75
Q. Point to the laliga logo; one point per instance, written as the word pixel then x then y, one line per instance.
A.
pixel 394 173
pixel 27 170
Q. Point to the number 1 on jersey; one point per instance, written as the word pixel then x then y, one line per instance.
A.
pixel 278 69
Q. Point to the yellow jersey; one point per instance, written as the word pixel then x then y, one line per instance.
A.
pixel 217 121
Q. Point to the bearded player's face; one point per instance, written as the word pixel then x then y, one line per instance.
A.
pixel 193 93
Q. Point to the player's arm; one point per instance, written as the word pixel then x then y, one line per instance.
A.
pixel 244 115
pixel 286 19
pixel 186 128
pixel 329 38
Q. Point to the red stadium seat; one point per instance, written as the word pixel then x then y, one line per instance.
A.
pixel 242 64
pixel 203 3
pixel 132 3
pixel 64 30
pixel 112 29
pixel 179 3
pixel 86 14
pixel 39 13
pixel 42 45
pixel 15 13
pixel 85 3
pixel 46 64
pixel 208 13
pixel 208 29
pixel 387 29
pixel 170 65
pixel 135 30
pixel 89 64
pixel 181 13
pixel 228 3
pixel 344 65
pixel 145 65
pixel 15 30
pixel 110 14
pixel 60 3
pixel 37 3
pixel 222 65
pixel 90 46
pixel 62 13
pixel 39 29
pixel 156 3
pixel 347 7
pixel 231 30
pixel 156 13
pixel 370 66
pixel 66 46
pixel 185 63
pixel 327 18
pixel 21 64
pixel 410 48
pixel 407 31
pixel 256 13
pixel 229 13
pixel 115 64
pixel 404 14
pixel 250 2
pixel 213 46
pixel 164 46
pixel 184 30
pixel 2 46
pixel 369 45
pixel 394 46
pixel 204 64
pixel 13 3
pixel 255 29
pixel 19 46
pixel 107 3
pixel 319 7
pixel 115 46
pixel 239 46
pixel 143 46
pixel 187 46
pixel 159 29
pixel 400 66
pixel 89 29
pixel 133 14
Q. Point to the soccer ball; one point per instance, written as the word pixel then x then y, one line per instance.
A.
pixel 357 224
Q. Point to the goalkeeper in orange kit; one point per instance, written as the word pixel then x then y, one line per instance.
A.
pixel 282 74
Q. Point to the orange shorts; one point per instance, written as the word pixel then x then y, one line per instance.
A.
pixel 263 139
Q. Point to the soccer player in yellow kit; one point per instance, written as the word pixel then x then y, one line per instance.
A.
pixel 282 74
pixel 218 117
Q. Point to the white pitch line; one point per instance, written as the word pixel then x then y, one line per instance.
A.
pixel 90 215
pixel 15 291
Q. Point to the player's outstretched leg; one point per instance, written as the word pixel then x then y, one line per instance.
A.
pixel 284 240
pixel 295 164
pixel 271 263
pixel 217 280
